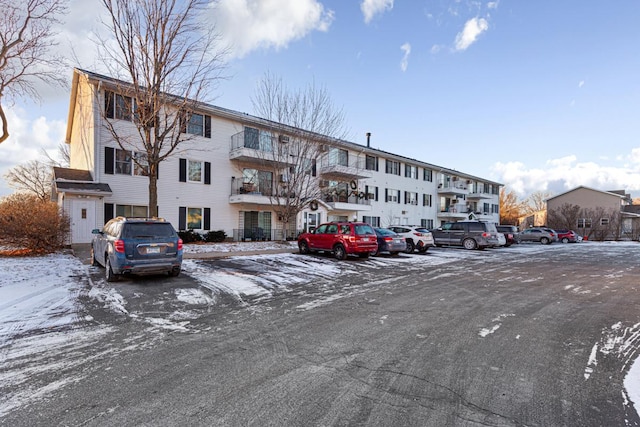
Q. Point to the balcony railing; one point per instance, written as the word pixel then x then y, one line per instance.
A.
pixel 351 169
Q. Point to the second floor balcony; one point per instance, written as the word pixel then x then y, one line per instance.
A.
pixel 348 202
pixel 453 188
pixel 343 169
pixel 259 149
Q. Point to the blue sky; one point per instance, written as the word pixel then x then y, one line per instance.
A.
pixel 540 96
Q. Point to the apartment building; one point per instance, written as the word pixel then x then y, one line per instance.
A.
pixel 225 175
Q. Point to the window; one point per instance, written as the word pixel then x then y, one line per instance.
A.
pixel 257 181
pixel 372 163
pixel 123 162
pixel 373 221
pixel 258 139
pixel 392 195
pixel 486 208
pixel 131 211
pixel 410 198
pixel 604 221
pixel 338 157
pixel 118 106
pixel 194 171
pixel 194 218
pixel 495 209
pixel 371 192
pixel 427 175
pixel 427 200
pixel 140 164
pixel 392 167
pixel 195 125
pixel 410 171
pixel 584 222
pixel 426 223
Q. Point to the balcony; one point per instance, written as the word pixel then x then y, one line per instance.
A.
pixel 453 188
pixel 344 170
pixel 244 192
pixel 344 203
pixel 478 195
pixel 262 151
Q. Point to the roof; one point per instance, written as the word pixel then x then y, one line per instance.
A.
pixel 68 174
pixel 610 193
pixel 77 181
pixel 250 119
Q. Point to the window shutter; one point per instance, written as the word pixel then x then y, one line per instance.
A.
pixel 108 160
pixel 108 104
pixel 108 212
pixel 398 196
pixel 182 218
pixel 207 173
pixel 376 193
pixel 207 126
pixel 183 170
pixel 406 197
pixel 207 218
pixel 386 194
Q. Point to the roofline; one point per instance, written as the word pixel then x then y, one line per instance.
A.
pixel 248 118
pixel 587 188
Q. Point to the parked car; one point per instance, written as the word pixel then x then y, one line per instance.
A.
pixel 469 234
pixel 341 239
pixel 389 241
pixel 511 233
pixel 544 235
pixel 136 246
pixel 568 236
pixel 416 237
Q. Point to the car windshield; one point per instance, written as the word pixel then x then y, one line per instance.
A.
pixel 384 232
pixel 148 229
pixel 363 229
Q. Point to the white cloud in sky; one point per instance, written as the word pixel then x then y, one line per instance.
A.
pixel 581 83
pixel 492 5
pixel 566 173
pixel 371 8
pixel 247 25
pixel 472 30
pixel 406 48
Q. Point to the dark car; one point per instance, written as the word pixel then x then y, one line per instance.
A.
pixel 389 241
pixel 137 246
pixel 469 234
pixel 341 239
pixel 510 232
pixel 568 236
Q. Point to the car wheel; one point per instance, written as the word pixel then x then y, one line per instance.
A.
pixel 175 272
pixel 304 247
pixel 565 240
pixel 377 252
pixel 339 252
pixel 545 241
pixel 93 261
pixel 423 249
pixel 109 274
pixel 469 244
pixel 410 247
pixel 394 253
pixel 364 255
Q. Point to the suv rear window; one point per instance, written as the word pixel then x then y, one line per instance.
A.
pixel 363 229
pixel 150 229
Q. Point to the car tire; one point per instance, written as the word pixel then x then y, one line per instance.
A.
pixel 565 240
pixel 175 272
pixel 109 274
pixel 93 261
pixel 423 249
pixel 303 247
pixel 377 252
pixel 469 244
pixel 410 247
pixel 339 252
pixel 545 241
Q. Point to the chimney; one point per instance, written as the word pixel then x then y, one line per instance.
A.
pixel 368 139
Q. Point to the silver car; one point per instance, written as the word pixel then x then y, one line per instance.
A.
pixel 546 236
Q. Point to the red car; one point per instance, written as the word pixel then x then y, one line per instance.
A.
pixel 341 239
pixel 567 236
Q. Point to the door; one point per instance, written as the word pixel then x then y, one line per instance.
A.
pixel 83 220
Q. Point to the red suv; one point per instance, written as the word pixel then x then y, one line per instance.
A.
pixel 341 239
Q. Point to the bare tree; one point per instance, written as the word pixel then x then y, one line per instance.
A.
pixel 537 201
pixel 306 122
pixel 25 54
pixel 170 60
pixel 564 217
pixel 510 207
pixel 64 156
pixel 33 177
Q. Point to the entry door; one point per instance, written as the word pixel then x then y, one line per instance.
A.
pixel 83 220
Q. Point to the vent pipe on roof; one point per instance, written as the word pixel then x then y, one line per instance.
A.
pixel 368 139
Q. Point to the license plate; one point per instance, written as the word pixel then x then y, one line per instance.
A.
pixel 365 239
pixel 153 250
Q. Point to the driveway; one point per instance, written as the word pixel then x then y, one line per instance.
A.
pixel 527 335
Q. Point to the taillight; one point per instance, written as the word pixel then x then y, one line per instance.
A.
pixel 179 244
pixel 485 234
pixel 388 239
pixel 118 246
pixel 417 234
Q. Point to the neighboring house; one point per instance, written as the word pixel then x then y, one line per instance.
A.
pixel 218 180
pixel 597 214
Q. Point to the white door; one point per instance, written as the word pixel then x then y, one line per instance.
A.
pixel 83 220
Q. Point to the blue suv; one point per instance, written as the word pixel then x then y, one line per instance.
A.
pixel 137 246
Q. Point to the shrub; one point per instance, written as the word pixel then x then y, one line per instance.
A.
pixel 29 223
pixel 190 236
pixel 215 236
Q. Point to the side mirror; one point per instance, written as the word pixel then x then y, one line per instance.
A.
pixel 96 231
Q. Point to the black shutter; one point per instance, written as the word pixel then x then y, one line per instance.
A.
pixel 108 104
pixel 398 196
pixel 386 194
pixel 406 197
pixel 183 170
pixel 207 218
pixel 108 160
pixel 207 173
pixel 108 212
pixel 376 192
pixel 207 126
pixel 182 218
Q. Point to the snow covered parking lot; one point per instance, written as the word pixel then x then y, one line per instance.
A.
pixel 57 306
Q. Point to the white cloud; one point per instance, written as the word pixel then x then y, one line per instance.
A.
pixel 472 30
pixel 247 25
pixel 581 83
pixel 492 5
pixel 371 8
pixel 435 48
pixel 565 173
pixel 406 48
